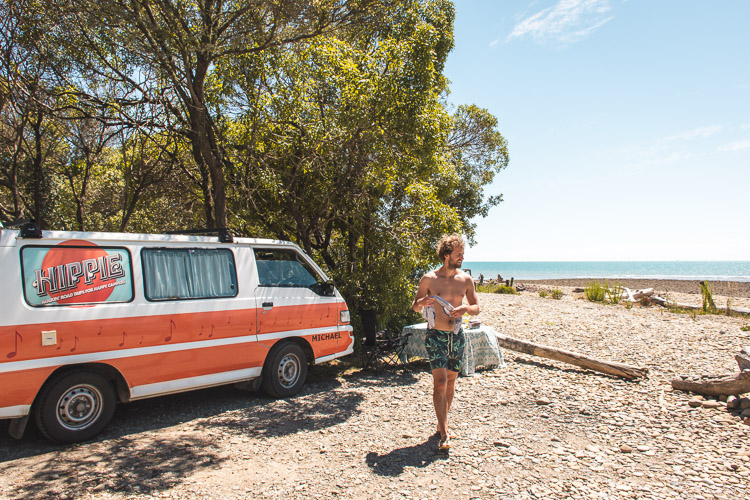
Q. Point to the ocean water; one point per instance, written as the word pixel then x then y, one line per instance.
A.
pixel 680 270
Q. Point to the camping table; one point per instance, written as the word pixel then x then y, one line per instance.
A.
pixel 481 347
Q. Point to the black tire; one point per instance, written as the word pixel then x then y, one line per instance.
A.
pixel 75 406
pixel 285 370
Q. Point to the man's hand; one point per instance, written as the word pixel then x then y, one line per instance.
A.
pixel 459 311
pixel 425 301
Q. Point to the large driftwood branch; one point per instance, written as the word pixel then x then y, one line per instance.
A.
pixel 743 359
pixel 727 385
pixel 574 358
pixel 626 294
pixel 670 303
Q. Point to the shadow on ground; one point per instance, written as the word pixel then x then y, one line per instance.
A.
pixel 123 459
pixel 127 464
pixel 394 462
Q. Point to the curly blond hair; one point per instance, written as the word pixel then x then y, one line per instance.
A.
pixel 447 243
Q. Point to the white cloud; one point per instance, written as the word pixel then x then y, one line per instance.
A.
pixel 567 22
pixel 697 133
pixel 735 146
pixel 494 42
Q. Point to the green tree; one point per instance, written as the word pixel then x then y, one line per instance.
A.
pixel 163 53
pixel 30 137
pixel 348 149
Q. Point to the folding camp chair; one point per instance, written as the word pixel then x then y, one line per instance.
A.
pixel 383 348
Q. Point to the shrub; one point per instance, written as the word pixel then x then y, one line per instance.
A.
pixel 745 328
pixel 491 288
pixel 708 297
pixel 542 293
pixel 557 294
pixel 615 293
pixel 595 292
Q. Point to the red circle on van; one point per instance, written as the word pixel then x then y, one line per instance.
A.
pixel 88 263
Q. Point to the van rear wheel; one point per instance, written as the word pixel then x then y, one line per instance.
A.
pixel 75 406
pixel 285 370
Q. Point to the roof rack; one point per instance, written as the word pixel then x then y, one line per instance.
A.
pixel 224 234
pixel 28 228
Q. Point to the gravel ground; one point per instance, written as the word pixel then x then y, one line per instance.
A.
pixel 536 428
pixel 722 288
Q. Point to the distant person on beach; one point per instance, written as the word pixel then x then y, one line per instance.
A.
pixel 440 298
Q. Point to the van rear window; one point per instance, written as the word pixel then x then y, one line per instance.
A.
pixel 75 272
pixel 188 273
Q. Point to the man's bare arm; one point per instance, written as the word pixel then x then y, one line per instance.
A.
pixel 421 299
pixel 473 303
pixel 471 298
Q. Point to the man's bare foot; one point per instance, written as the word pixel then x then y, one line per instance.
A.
pixel 444 444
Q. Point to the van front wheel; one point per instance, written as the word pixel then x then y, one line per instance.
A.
pixel 285 370
pixel 75 406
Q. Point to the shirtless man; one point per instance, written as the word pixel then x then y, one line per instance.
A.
pixel 445 348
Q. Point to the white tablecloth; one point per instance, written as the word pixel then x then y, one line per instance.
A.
pixel 481 347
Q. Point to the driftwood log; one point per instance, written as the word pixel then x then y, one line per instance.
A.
pixel 627 294
pixel 727 385
pixel 743 359
pixel 719 385
pixel 670 303
pixel 574 358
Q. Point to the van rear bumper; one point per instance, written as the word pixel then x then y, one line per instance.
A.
pixel 349 350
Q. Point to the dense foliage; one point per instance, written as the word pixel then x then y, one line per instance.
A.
pixel 324 123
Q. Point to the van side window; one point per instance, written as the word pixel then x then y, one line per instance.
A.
pixel 284 268
pixel 188 273
pixel 73 273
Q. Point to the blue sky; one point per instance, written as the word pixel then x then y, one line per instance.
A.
pixel 628 126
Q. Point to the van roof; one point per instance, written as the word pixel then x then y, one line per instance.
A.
pixel 8 238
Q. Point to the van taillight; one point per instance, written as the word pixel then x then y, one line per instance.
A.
pixel 344 316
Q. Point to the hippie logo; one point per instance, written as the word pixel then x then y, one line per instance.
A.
pixel 77 272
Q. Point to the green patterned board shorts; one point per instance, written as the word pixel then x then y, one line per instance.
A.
pixel 445 349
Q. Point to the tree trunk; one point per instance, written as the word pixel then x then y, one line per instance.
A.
pixel 727 385
pixel 609 367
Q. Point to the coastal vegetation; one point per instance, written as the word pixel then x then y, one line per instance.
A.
pixel 496 288
pixel 595 291
pixel 615 292
pixel 708 298
pixel 324 123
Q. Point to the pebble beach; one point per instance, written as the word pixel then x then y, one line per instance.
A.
pixel 720 288
pixel 531 429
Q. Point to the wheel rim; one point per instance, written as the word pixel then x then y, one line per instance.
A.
pixel 79 407
pixel 289 370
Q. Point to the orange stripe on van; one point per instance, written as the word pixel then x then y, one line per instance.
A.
pixel 22 389
pixel 23 342
pixel 162 367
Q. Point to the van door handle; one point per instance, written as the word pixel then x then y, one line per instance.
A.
pixel 267 306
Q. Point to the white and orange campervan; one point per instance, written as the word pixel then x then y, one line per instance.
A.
pixel 90 319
